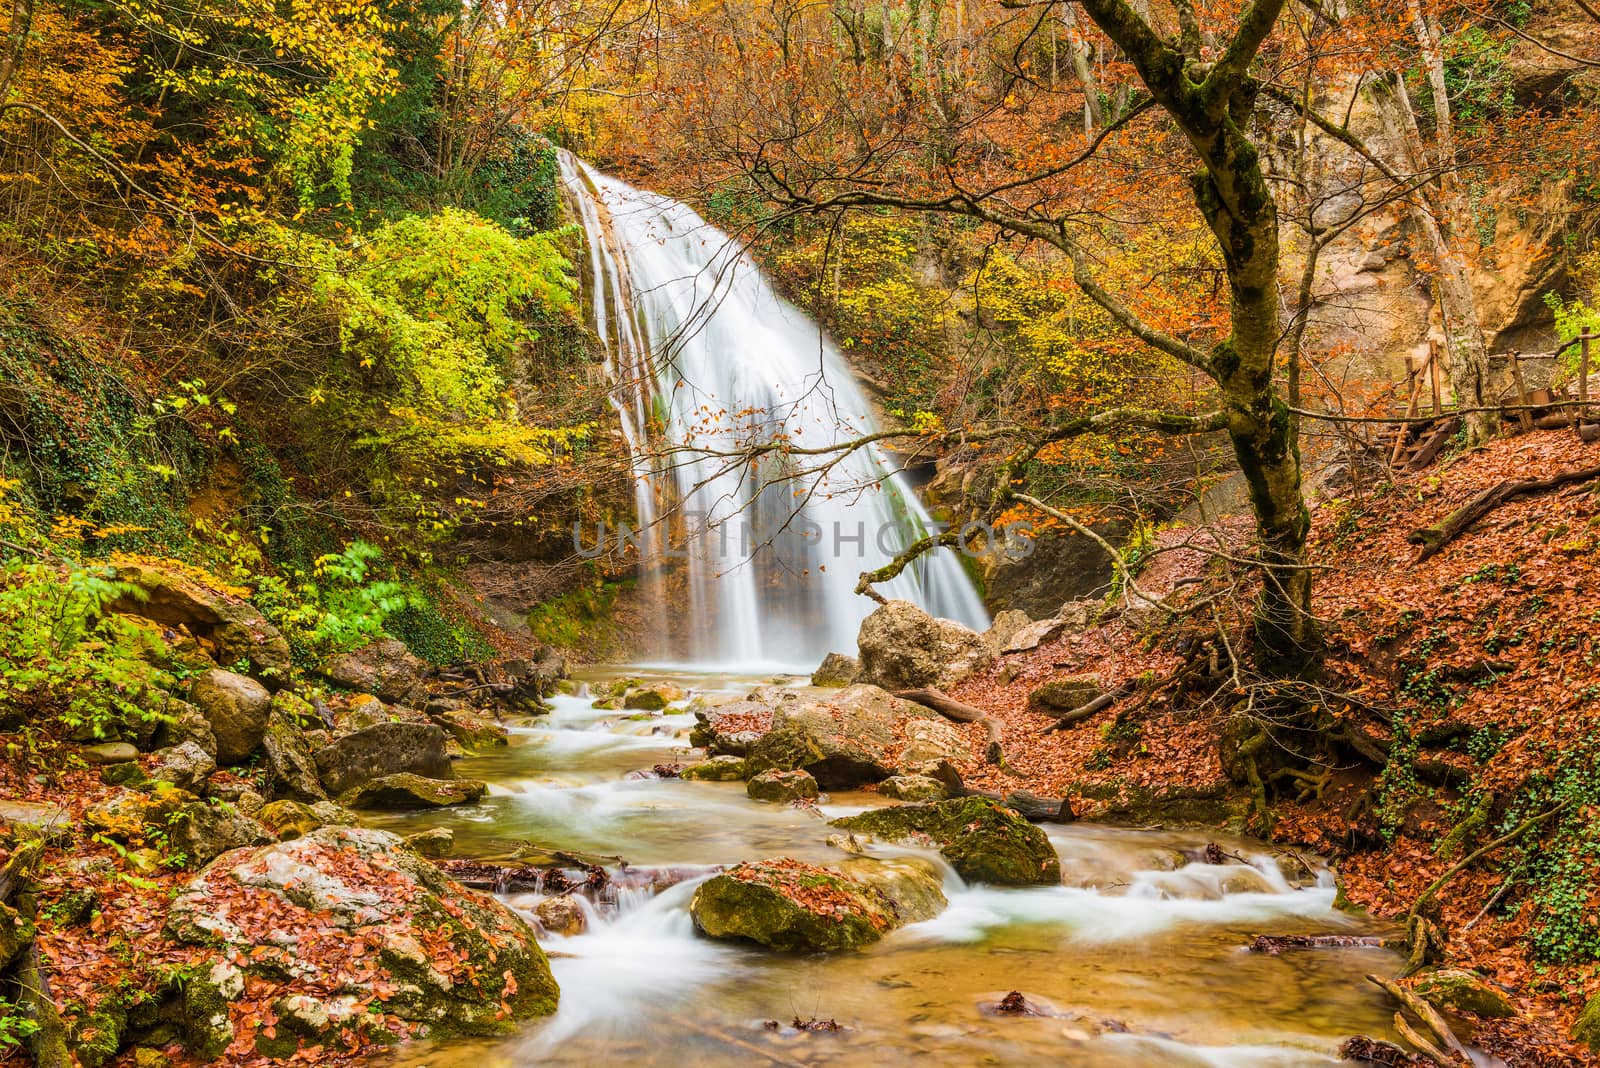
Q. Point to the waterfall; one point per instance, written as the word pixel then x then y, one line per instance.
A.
pixel 706 361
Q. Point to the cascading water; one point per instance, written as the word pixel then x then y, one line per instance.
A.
pixel 708 363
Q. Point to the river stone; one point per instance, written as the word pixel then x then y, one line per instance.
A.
pixel 202 830
pixel 403 790
pixel 912 788
pixel 472 730
pixel 782 786
pixel 382 749
pixel 231 626
pixel 236 707
pixel 1459 990
pixel 561 915
pixel 353 909
pixel 109 753
pixel 287 759
pixel 185 766
pixel 385 668
pixel 1066 694
pixel 433 842
pixel 652 698
pixel 984 841
pixel 903 647
pixel 795 907
pixel 836 669
pixel 717 769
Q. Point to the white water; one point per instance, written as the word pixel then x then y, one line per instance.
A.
pixel 707 359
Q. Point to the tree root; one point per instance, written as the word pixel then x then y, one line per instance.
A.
pixel 1453 1053
pixel 961 712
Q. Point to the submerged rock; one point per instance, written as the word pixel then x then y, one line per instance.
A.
pixel 903 647
pixel 353 909
pixel 561 915
pixel 796 907
pixel 984 841
pixel 717 769
pixel 782 786
pixel 236 708
pixel 403 790
pixel 1459 990
pixel 836 669
pixel 380 750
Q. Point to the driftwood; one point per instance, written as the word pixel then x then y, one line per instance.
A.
pixel 1030 807
pixel 1434 538
pixel 961 712
pixel 1452 1053
pixel 1272 945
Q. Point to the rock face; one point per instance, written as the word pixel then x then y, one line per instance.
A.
pixel 836 669
pixel 984 841
pixel 230 626
pixel 236 707
pixel 352 909
pixel 1459 990
pixel 382 749
pixel 795 907
pixel 385 668
pixel 847 740
pixel 903 647
pixel 404 790
pixel 782 786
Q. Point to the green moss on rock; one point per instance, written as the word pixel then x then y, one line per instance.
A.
pixel 984 841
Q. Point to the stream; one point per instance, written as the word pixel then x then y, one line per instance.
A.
pixel 1138 957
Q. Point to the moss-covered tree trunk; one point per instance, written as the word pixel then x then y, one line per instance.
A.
pixel 1213 103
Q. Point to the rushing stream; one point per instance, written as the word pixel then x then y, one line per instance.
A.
pixel 1139 952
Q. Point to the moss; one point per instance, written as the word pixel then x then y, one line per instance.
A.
pixel 792 907
pixel 1587 1027
pixel 983 840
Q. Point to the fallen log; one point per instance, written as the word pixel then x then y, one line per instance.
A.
pixel 1434 538
pixel 1430 1018
pixel 1087 709
pixel 1272 945
pixel 1030 807
pixel 961 712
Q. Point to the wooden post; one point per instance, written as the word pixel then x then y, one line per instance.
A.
pixel 1524 416
pixel 1413 392
pixel 1433 375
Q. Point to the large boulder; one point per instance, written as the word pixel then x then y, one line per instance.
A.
pixel 236 708
pixel 227 626
pixel 286 755
pixel 853 737
pixel 385 668
pixel 404 791
pixel 182 722
pixel 352 909
pixel 796 907
pixel 380 750
pixel 903 647
pixel 984 841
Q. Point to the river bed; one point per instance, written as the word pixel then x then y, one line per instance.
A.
pixel 1137 958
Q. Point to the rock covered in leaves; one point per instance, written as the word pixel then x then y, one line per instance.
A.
pixel 236 707
pixel 383 749
pixel 404 790
pixel 730 729
pixel 903 647
pixel 385 668
pixel 352 910
pixel 782 786
pixel 984 841
pixel 794 907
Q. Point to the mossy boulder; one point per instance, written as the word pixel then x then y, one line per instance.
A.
pixel 286 755
pixel 652 698
pixel 386 668
pixel 782 786
pixel 185 766
pixel 202 830
pixel 288 820
pixel 717 769
pixel 984 841
pixel 730 729
pixel 16 933
pixel 353 909
pixel 847 739
pixel 472 730
pixel 130 814
pixel 1066 693
pixel 1587 1027
pixel 795 907
pixel 912 788
pixel 407 791
pixel 383 749
pixel 1459 990
pixel 236 707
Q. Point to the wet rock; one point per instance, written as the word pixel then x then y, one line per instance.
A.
pixel 782 786
pixel 403 790
pixel 912 788
pixel 984 841
pixel 343 894
pixel 229 625
pixel 836 669
pixel 385 668
pixel 236 708
pixel 846 740
pixel 288 820
pixel 561 915
pixel 109 753
pixel 433 842
pixel 185 766
pixel 202 830
pixel 472 730
pixel 717 769
pixel 287 757
pixel 792 906
pixel 1066 693
pixel 1459 990
pixel 380 750
pixel 903 647
pixel 651 698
